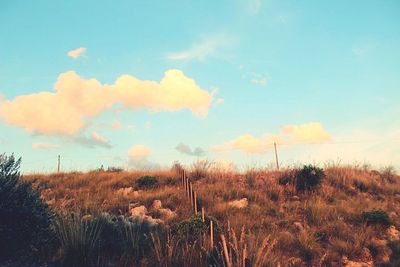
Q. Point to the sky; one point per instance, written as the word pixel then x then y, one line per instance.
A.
pixel 141 84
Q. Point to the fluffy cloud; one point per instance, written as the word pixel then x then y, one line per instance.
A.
pixel 138 158
pixel 44 145
pixel 77 52
pixel 185 149
pixel 312 132
pixel 139 151
pixel 76 100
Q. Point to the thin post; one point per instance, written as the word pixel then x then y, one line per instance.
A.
pixel 195 202
pixel 227 258
pixel 191 194
pixel 58 166
pixel 187 187
pixel 211 234
pixel 202 214
pixel 276 157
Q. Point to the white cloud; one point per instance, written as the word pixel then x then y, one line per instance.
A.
pixel 258 79
pixel 76 101
pixel 185 149
pixel 203 49
pixel 76 53
pixel 100 140
pixel 91 141
pixel 312 132
pixel 138 158
pixel 44 145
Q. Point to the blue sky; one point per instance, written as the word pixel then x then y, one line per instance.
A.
pixel 319 78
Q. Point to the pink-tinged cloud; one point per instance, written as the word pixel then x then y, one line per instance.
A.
pixel 139 151
pixel 77 52
pixel 44 145
pixel 76 101
pixel 116 125
pixel 138 158
pixel 100 140
pixel 312 132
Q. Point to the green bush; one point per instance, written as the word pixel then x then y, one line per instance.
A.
pixel 192 228
pixel 146 182
pixel 376 217
pixel 286 178
pixel 308 178
pixel 25 221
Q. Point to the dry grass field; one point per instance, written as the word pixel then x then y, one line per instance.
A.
pixel 351 218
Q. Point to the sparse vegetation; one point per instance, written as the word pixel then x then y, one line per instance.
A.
pixel 332 215
pixel 146 182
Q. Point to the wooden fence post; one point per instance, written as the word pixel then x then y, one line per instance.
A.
pixel 195 202
pixel 191 194
pixel 211 234
pixel 227 258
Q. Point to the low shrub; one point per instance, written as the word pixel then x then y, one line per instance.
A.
pixel 286 178
pixel 360 185
pixel 308 178
pixel 376 217
pixel 146 182
pixel 192 228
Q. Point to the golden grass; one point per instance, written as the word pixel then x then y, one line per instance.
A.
pixel 316 228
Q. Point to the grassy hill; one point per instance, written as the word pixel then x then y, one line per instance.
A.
pixel 350 217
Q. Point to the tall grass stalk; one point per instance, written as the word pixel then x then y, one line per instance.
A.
pixel 78 238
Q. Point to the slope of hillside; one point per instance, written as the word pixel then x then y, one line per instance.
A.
pixel 351 218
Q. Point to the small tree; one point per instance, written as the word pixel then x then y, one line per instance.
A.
pixel 24 219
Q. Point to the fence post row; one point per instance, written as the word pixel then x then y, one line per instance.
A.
pixel 192 195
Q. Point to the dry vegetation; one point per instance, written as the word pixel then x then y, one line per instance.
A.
pixel 278 225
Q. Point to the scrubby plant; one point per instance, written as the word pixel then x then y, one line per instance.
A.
pixel 200 169
pixel 147 182
pixel 24 219
pixel 286 178
pixel 192 228
pixel 251 177
pixel 360 185
pixel 308 178
pixel 376 217
pixel 78 238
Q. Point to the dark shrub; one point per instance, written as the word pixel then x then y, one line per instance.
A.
pixel 192 228
pixel 24 219
pixel 146 182
pixel 376 217
pixel 308 178
pixel 360 185
pixel 287 177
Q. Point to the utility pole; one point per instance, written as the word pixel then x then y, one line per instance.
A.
pixel 276 156
pixel 58 167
